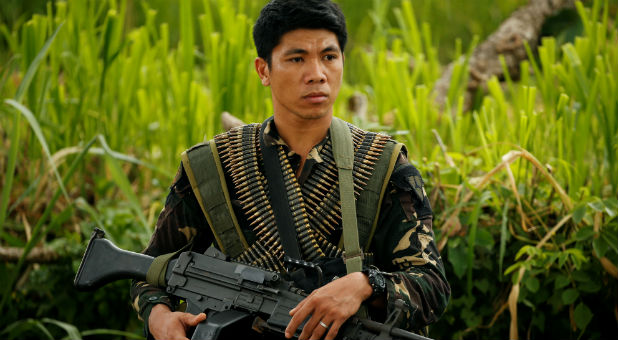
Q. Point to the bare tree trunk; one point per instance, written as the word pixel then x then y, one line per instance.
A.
pixel 524 25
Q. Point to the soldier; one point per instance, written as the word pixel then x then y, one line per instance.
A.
pixel 287 167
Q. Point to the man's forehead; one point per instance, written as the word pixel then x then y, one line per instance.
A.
pixel 304 37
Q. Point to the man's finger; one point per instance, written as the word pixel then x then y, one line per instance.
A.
pixel 192 320
pixel 310 327
pixel 334 329
pixel 299 316
pixel 320 329
pixel 300 304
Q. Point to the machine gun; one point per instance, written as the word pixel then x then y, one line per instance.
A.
pixel 233 295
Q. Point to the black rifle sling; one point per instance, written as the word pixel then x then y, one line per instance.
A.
pixel 278 197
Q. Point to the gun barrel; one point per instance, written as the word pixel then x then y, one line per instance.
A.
pixel 103 263
pixel 396 333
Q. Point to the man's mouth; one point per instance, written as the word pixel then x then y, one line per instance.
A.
pixel 316 97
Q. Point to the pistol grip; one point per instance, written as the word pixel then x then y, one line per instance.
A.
pixel 222 324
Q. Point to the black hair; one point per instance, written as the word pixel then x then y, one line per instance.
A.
pixel 281 16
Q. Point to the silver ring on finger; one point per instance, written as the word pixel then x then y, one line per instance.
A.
pixel 323 324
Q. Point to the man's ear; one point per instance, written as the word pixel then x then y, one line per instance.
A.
pixel 261 66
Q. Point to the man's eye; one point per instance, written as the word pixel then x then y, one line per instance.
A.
pixel 296 59
pixel 330 57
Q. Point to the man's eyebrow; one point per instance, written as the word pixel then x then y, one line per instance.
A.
pixel 331 48
pixel 295 51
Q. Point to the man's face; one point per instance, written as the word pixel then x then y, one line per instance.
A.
pixel 305 73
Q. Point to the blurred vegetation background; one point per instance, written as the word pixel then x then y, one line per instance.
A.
pixel 99 98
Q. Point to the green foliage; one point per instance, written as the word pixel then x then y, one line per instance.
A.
pixel 523 187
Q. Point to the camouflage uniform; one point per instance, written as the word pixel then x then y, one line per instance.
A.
pixel 403 246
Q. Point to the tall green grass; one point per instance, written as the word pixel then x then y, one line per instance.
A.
pixel 97 106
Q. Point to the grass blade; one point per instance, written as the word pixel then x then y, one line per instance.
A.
pixel 34 66
pixel 102 331
pixel 503 236
pixel 72 331
pixel 10 172
pixel 39 134
pixel 122 181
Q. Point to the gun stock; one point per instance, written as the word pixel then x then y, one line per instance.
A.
pixel 103 263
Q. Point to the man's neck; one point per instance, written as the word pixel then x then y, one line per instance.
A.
pixel 301 135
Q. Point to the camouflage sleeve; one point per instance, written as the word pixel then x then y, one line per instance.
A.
pixel 404 247
pixel 180 221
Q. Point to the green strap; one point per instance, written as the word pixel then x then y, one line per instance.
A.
pixel 157 270
pixel 343 151
pixel 203 167
pixel 370 200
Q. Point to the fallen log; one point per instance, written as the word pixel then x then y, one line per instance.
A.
pixel 523 26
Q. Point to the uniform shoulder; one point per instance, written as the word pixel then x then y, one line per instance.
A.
pixel 357 131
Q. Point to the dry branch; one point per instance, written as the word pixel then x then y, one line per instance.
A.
pixel 524 25
pixel 36 255
pixel 229 121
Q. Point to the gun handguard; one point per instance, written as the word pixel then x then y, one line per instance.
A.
pixel 230 293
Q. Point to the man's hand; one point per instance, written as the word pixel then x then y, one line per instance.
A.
pixel 330 305
pixel 167 325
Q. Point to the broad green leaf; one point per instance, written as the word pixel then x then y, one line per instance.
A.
pixel 610 237
pixel 539 321
pixel 473 319
pixel 582 315
pixel 532 283
pixel 512 268
pixel 457 258
pixel 600 246
pixel 597 205
pixel 590 286
pixel 526 250
pixel 561 281
pixel 584 233
pixel 569 296
pixel 611 207
pixel 562 259
pixel 580 276
pixel 482 285
pixel 578 213
pixel 484 239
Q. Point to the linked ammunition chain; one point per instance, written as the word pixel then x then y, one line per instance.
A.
pixel 315 205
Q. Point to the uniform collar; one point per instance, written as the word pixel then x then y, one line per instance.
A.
pixel 272 137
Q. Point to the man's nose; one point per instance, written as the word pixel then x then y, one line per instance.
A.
pixel 314 72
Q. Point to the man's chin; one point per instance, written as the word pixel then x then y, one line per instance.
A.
pixel 313 115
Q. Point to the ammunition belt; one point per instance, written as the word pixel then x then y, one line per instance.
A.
pixel 315 205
